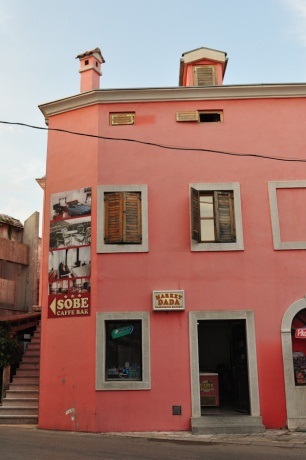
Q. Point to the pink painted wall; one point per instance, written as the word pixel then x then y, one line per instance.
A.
pixel 258 278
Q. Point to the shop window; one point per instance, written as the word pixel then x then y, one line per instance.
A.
pixel 298 331
pixel 122 219
pixel 216 217
pixel 123 351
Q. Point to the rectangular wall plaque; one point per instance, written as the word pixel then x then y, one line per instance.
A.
pixel 168 301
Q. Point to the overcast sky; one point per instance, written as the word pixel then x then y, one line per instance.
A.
pixel 142 42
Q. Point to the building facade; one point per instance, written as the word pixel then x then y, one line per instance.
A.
pixel 19 264
pixel 174 263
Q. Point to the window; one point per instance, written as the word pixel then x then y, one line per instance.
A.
pixel 200 116
pixel 213 216
pixel 122 219
pixel 123 359
pixel 216 217
pixel 210 117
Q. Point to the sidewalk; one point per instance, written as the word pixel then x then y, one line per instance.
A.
pixel 272 438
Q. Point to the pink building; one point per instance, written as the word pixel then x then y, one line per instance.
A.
pixel 174 256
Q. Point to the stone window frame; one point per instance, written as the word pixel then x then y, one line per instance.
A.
pixel 278 244
pixel 101 382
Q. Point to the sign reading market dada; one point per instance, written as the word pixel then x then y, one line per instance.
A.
pixel 168 300
pixel 70 254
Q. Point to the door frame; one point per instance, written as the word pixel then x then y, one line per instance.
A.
pixel 248 316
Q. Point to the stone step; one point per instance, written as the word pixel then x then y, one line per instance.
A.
pixel 18 420
pixel 18 410
pixel 31 379
pixel 242 424
pixel 31 372
pixel 35 339
pixel 23 386
pixel 33 346
pixel 32 353
pixel 30 359
pixel 26 402
pixel 22 394
pixel 29 365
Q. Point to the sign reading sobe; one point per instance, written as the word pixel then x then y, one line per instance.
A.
pixel 168 300
pixel 69 305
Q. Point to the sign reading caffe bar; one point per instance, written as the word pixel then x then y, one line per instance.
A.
pixel 168 300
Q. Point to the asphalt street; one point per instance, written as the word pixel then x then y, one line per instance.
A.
pixel 29 443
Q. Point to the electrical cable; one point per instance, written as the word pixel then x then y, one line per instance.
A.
pixel 162 146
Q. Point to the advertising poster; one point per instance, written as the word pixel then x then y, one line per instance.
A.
pixel 70 254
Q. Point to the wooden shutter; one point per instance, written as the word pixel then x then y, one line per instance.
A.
pixel 205 75
pixel 122 217
pixel 113 217
pixel 132 217
pixel 187 116
pixel 195 215
pixel 224 217
pixel 123 118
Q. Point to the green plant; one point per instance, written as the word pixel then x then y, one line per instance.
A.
pixel 11 349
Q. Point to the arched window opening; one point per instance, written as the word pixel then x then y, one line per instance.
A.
pixel 298 337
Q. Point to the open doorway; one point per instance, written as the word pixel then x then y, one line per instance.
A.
pixel 223 367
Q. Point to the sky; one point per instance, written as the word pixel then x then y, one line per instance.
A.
pixel 142 42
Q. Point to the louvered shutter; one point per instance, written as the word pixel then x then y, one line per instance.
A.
pixel 122 118
pixel 195 215
pixel 132 217
pixel 187 116
pixel 113 218
pixel 205 75
pixel 224 217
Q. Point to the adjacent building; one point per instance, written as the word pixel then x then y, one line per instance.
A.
pixel 174 255
pixel 19 264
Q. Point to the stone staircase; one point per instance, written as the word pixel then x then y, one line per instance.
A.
pixel 20 405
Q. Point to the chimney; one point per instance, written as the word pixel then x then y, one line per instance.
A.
pixel 90 69
pixel 202 67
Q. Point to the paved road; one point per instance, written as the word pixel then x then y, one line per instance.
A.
pixel 24 443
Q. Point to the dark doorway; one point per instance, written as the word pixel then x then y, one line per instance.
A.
pixel 223 367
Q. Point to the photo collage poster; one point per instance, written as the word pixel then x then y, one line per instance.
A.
pixel 70 254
